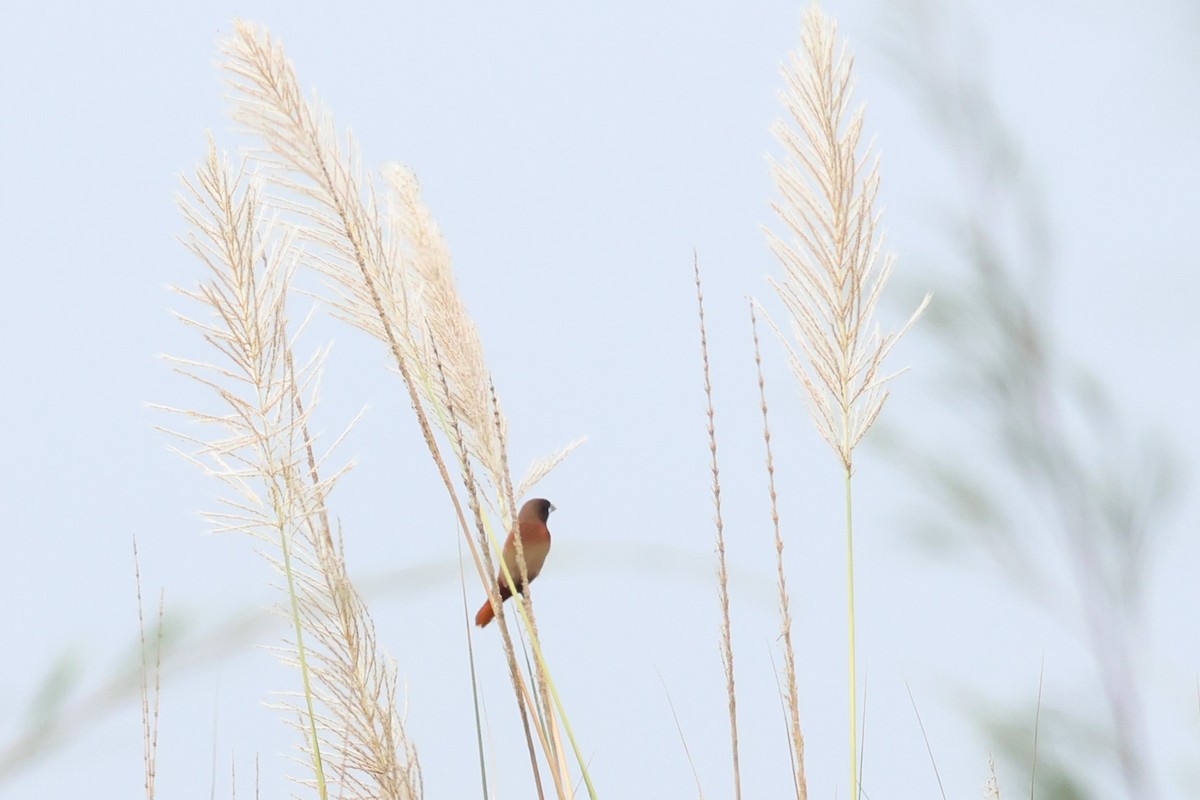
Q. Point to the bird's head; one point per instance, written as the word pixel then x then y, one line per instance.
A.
pixel 537 509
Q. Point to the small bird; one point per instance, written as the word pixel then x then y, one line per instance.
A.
pixel 535 544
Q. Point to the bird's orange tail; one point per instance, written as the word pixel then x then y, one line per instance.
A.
pixel 485 614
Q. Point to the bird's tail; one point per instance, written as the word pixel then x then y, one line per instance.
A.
pixel 485 614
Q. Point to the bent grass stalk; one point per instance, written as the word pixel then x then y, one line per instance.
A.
pixel 545 682
pixel 525 611
pixel 450 421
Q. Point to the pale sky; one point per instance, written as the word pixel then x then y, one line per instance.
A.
pixel 574 158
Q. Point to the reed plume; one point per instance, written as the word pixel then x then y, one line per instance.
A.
pixel 834 265
pixel 263 452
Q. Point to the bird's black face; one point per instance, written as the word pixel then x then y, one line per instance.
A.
pixel 544 507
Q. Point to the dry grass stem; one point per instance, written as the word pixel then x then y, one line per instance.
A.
pixel 796 738
pixel 550 702
pixel 524 599
pixel 475 700
pixel 683 740
pixel 991 789
pixel 150 696
pixel 722 568
pixel 525 699
pixel 925 738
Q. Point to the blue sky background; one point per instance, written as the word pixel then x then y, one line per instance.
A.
pixel 575 157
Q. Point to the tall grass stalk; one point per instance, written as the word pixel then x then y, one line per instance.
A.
pixel 925 736
pixel 718 520
pixel 466 607
pixel 487 539
pixel 682 739
pixel 150 696
pixel 792 695
pixel 834 268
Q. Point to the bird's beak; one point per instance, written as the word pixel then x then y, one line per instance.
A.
pixel 553 507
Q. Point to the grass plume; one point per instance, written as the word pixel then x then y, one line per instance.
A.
pixel 834 268
pixel 263 452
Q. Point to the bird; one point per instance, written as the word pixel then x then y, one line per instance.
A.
pixel 535 544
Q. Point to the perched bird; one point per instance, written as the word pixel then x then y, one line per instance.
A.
pixel 535 544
